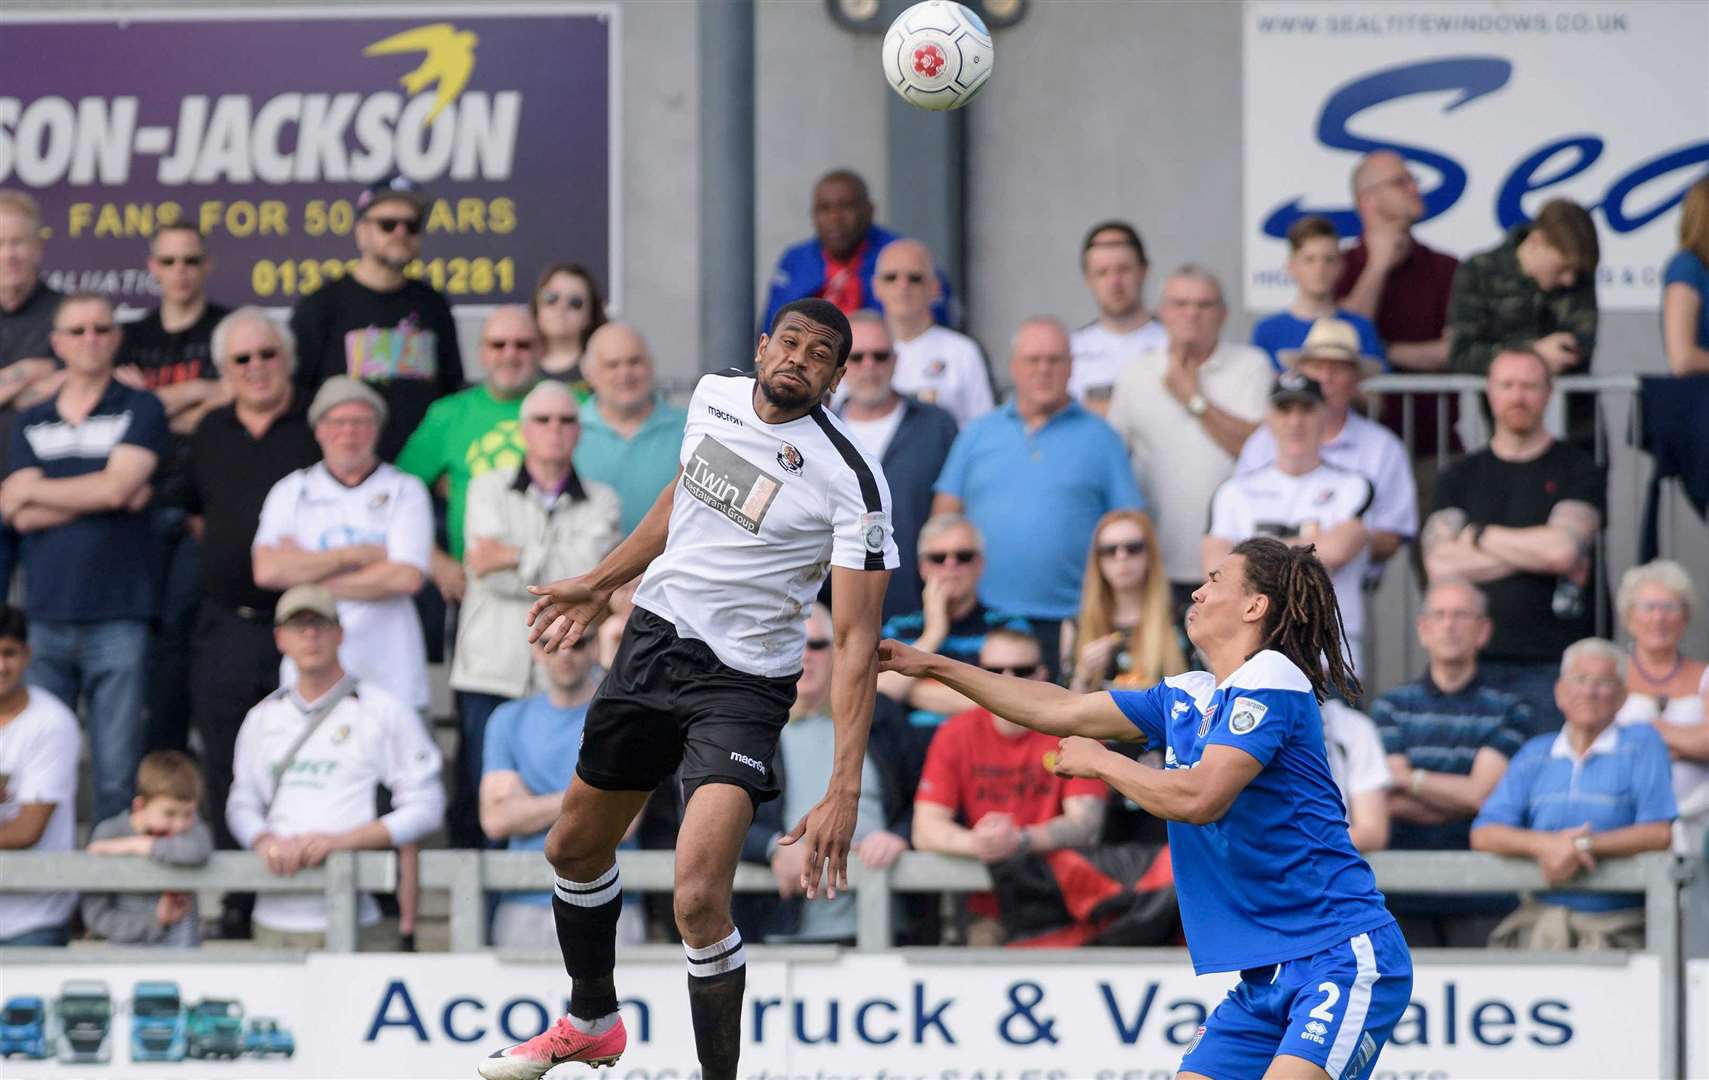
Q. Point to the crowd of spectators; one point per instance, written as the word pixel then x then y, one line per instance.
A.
pixel 240 542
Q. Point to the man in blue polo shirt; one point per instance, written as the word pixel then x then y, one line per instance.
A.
pixel 81 463
pixel 1594 790
pixel 630 436
pixel 1034 477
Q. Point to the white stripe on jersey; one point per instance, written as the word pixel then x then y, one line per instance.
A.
pixel 1358 1005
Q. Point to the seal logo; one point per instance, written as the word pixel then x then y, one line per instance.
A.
pixel 791 459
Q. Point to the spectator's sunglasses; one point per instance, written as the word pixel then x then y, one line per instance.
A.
pixel 818 644
pixel 389 225
pixel 912 279
pixel 552 296
pixel 242 359
pixel 98 329
pixel 170 261
pixel 877 356
pixel 1019 671
pixel 1126 547
pixel 960 555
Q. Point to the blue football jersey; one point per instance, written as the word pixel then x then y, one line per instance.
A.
pixel 1277 878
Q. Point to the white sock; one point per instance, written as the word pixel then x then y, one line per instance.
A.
pixel 592 1027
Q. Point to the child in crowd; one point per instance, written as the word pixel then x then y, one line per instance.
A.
pixel 1314 262
pixel 162 824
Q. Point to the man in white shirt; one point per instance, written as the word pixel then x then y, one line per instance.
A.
pixel 934 363
pixel 361 528
pixel 39 745
pixel 1301 500
pixel 1361 771
pixel 1184 412
pixel 1112 260
pixel 309 759
pixel 1331 356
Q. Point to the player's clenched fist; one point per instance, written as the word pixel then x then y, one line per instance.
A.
pixel 565 610
pixel 1077 756
pixel 902 659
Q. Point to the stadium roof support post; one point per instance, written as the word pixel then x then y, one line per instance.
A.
pixel 726 128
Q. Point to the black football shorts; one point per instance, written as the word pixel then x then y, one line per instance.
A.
pixel 669 702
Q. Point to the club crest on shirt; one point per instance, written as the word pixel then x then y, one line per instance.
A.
pixel 936 368
pixel 340 733
pixel 791 459
pixel 379 500
pixel 1246 715
pixel 873 528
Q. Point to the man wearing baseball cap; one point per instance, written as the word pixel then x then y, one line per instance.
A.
pixel 310 758
pixel 393 332
pixel 1301 499
pixel 1331 357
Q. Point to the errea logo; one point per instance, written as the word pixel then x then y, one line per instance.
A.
pixel 743 759
pixel 1315 1031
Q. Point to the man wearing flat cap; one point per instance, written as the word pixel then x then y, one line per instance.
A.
pixel 1300 499
pixel 360 528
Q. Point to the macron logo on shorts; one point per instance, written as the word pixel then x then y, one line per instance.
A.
pixel 758 766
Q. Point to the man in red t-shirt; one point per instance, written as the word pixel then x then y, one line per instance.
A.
pixel 986 794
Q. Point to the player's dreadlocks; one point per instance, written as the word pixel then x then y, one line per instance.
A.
pixel 1304 620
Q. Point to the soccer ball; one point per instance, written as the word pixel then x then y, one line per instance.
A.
pixel 938 55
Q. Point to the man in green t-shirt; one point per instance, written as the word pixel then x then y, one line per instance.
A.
pixel 473 430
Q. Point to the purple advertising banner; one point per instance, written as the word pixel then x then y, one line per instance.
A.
pixel 263 131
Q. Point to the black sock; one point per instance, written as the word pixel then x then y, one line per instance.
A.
pixel 586 914
pixel 717 978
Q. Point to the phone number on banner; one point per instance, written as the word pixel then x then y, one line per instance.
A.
pixel 455 276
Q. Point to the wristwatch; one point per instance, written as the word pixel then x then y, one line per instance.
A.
pixel 1582 843
pixel 1197 404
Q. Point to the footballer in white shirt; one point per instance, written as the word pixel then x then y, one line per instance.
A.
pixel 773 494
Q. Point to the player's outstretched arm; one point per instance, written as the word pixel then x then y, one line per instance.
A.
pixel 1031 703
pixel 1197 796
pixel 568 606
pixel 828 828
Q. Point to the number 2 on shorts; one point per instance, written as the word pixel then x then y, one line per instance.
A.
pixel 1332 994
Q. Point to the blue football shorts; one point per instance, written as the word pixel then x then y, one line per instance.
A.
pixel 1335 1008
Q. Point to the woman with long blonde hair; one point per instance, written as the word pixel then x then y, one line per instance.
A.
pixel 1125 635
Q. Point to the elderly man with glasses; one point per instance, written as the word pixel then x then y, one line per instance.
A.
pixel 934 363
pixel 910 438
pixel 393 332
pixel 535 520
pixel 239 451
pixel 1594 790
pixel 81 464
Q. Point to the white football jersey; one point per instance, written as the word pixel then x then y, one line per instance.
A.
pixel 760 515
pixel 1099 355
pixel 945 369
pixel 1269 502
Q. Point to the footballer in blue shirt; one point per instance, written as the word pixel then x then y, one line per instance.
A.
pixel 1269 883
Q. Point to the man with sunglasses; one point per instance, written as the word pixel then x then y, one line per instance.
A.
pixel 986 793
pixel 473 431
pixel 392 331
pixel 536 519
pixel 910 438
pixel 933 363
pixel 239 451
pixel 81 465
pixel 168 352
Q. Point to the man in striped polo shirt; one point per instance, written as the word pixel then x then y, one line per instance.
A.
pixel 1449 736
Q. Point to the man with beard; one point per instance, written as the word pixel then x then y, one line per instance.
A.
pixel 772 493
pixel 1519 519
